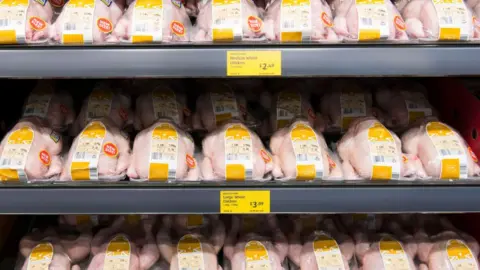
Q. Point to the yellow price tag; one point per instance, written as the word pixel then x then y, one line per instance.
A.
pixel 254 63
pixel 244 202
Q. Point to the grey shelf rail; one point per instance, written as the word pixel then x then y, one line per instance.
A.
pixel 126 198
pixel 211 60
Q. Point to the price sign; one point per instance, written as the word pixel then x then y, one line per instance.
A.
pixel 254 63
pixel 245 202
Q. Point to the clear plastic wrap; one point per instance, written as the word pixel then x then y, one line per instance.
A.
pixel 442 151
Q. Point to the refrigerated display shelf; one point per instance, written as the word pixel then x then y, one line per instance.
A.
pixel 210 61
pixel 126 198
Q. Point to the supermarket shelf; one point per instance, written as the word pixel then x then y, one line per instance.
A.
pixel 210 61
pixel 124 198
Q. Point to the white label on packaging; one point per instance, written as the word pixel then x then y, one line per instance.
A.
pixel 417 105
pixel 15 153
pixel 40 257
pixel 373 23
pixel 37 104
pixel 165 105
pixel 147 21
pixel 163 152
pixel 450 150
pixel 308 152
pixel 190 253
pixel 289 105
pixel 225 106
pixel 227 20
pixel 455 21
pixel 295 21
pixel 78 22
pixel 118 254
pixel 256 256
pixel 238 153
pixel 99 104
pixel 352 105
pixel 394 256
pixel 460 256
pixel 384 154
pixel 327 252
pixel 13 20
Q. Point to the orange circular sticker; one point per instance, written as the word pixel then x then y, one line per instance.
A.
pixel 37 23
pixel 177 28
pixel 311 114
pixel 44 157
pixel 331 163
pixel 110 149
pixel 266 157
pixel 190 161
pixel 326 19
pixel 255 23
pixel 104 25
pixel 57 3
pixel 399 23
pixel 472 154
pixel 123 114
pixel 405 159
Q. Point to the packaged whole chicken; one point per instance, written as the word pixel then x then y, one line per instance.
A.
pixel 128 243
pixel 147 21
pixel 429 20
pixel 86 22
pixel 361 20
pixel 227 21
pixel 26 21
pixel 298 152
pixel 442 151
pixel 299 21
pixel 104 102
pixel 191 241
pixel 163 152
pixel 54 106
pixel 370 151
pixel 234 152
pixel 316 243
pixel 255 241
pixel 100 152
pixel 31 151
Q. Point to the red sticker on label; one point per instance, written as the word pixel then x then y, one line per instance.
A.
pixel 123 114
pixel 190 161
pixel 177 28
pixel 311 114
pixel 472 154
pixel 57 3
pixel 37 23
pixel 399 23
pixel 110 149
pixel 254 23
pixel 104 25
pixel 326 19
pixel 44 157
pixel 266 157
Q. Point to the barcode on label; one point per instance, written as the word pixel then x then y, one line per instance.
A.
pixel 352 110
pixel 288 24
pixel 219 108
pixel 446 20
pixel 379 159
pixel 413 106
pixel 80 155
pixel 395 175
pixel 141 27
pixel 450 152
pixel 283 113
pixel 463 170
pixel 70 26
pixel 161 156
pixel 220 21
pixel 7 162
pixel 302 157
pixel 367 21
pixel 4 22
pixel 237 157
pixel 29 110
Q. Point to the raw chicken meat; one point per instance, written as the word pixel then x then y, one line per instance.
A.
pixel 320 27
pixel 193 240
pixel 39 20
pixel 54 106
pixel 124 235
pixel 100 152
pixel 103 102
pixel 233 152
pixel 255 240
pixel 161 103
pixel 442 151
pixel 370 151
pixel 175 24
pixel 104 18
pixel 248 16
pixel 31 151
pixel 300 139
pixel 348 16
pixel 152 160
pixel 320 245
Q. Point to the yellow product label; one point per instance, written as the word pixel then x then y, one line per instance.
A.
pixel 254 63
pixel 393 254
pixel 308 153
pixel 256 256
pixel 352 106
pixel 89 145
pixel 372 19
pixel 15 153
pixel 296 21
pixel 238 153
pixel 289 105
pixel 99 104
pixel 14 18
pixel 190 254
pixel 118 253
pixel 78 22
pixel 453 159
pixel 165 105
pixel 460 256
pixel 383 153
pixel 245 202
pixel 194 220
pixel 163 153
pixel 227 20
pixel 40 257
pixel 327 252
pixel 147 21
pixel 225 106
